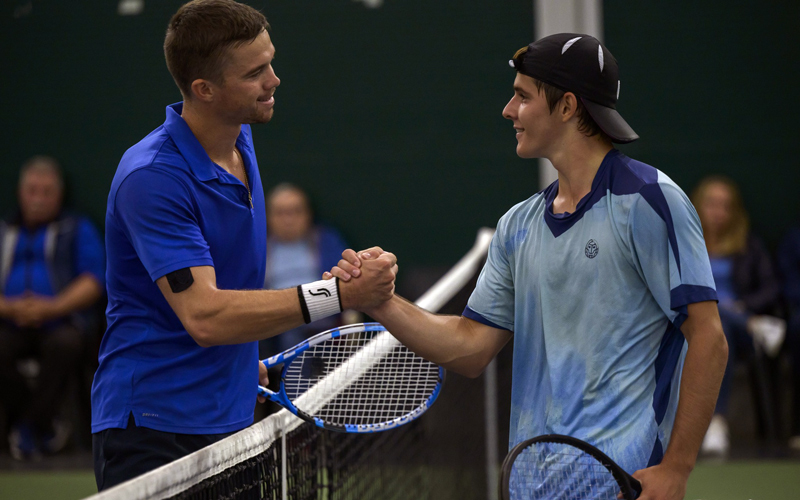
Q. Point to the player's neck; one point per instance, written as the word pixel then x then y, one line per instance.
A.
pixel 577 166
pixel 217 137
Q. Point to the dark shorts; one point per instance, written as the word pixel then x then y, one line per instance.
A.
pixel 122 454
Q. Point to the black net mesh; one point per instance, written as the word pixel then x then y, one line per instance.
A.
pixel 327 465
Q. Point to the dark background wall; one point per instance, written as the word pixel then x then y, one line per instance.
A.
pixel 710 86
pixel 390 117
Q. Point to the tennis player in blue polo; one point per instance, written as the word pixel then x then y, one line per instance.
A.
pixel 602 278
pixel 186 244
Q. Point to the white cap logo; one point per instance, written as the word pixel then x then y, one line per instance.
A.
pixel 600 57
pixel 569 44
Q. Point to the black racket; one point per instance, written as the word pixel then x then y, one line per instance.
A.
pixel 556 467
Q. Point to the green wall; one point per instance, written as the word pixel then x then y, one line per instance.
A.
pixel 390 117
pixel 711 88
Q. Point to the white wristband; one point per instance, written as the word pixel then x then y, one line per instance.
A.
pixel 319 299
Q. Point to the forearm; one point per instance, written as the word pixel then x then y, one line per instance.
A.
pixel 238 316
pixel 450 341
pixel 703 369
pixel 79 294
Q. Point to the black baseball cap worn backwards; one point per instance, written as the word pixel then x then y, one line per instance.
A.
pixel 582 65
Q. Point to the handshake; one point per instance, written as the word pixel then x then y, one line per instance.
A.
pixel 366 278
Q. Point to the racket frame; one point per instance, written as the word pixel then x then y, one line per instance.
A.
pixel 286 357
pixel 630 486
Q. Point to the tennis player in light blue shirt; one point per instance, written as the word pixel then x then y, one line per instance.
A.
pixel 602 278
pixel 597 298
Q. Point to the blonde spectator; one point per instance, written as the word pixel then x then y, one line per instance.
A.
pixel 747 286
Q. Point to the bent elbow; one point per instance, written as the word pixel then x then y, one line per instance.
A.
pixel 470 368
pixel 722 348
pixel 201 333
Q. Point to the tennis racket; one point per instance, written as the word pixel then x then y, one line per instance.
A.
pixel 557 467
pixel 355 378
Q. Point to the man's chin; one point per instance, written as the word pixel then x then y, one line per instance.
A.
pixel 526 154
pixel 260 118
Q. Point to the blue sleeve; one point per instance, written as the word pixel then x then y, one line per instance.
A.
pixel 90 255
pixel 492 301
pixel 669 249
pixel 158 214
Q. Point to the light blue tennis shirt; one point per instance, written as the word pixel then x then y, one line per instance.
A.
pixel 595 299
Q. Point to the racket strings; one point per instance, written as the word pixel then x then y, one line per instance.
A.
pixel 557 471
pixel 380 386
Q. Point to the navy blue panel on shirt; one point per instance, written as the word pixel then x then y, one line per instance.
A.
pixel 683 295
pixel 170 207
pixel 637 178
pixel 669 354
pixel 469 313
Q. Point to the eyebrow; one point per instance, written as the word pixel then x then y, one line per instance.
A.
pixel 262 66
pixel 519 89
pixel 257 69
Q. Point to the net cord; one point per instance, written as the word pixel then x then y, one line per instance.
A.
pixel 175 477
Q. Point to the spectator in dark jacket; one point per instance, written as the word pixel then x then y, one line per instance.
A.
pixel 789 263
pixel 52 267
pixel 298 251
pixel 747 286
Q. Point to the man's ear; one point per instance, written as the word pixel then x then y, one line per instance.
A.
pixel 202 90
pixel 568 106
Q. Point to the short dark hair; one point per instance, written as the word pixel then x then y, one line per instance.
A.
pixel 586 124
pixel 199 34
pixel 45 164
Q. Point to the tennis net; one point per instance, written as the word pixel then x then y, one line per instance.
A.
pixel 284 457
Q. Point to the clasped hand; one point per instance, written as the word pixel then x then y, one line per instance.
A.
pixel 30 310
pixel 375 271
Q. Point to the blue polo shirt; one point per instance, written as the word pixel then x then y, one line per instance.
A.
pixel 170 207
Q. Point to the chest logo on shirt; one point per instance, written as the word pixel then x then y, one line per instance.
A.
pixel 591 249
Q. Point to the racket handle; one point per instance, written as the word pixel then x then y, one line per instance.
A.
pixel 636 486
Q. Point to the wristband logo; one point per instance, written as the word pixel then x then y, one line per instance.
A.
pixel 321 291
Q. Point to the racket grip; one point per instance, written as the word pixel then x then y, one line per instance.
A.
pixel 636 487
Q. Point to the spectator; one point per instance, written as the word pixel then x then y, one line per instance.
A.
pixel 298 251
pixel 746 284
pixel 51 269
pixel 789 264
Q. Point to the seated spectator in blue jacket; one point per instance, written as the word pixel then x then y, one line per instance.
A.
pixel 746 284
pixel 789 263
pixel 51 269
pixel 298 251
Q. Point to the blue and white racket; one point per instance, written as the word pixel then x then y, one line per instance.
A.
pixel 355 378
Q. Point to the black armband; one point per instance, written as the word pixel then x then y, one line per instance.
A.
pixel 180 280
